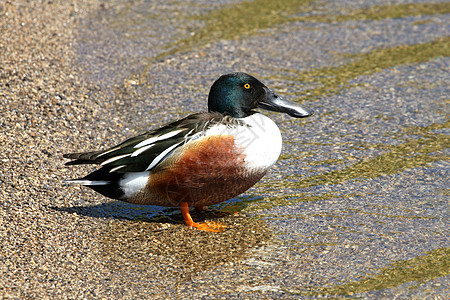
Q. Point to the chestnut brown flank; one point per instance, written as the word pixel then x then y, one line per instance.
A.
pixel 203 172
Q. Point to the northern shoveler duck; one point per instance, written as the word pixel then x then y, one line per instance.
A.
pixel 202 159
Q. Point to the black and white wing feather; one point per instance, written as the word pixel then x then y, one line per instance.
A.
pixel 146 151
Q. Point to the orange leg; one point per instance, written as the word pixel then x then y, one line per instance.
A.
pixel 209 226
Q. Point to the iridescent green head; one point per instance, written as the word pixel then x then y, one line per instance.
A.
pixel 238 94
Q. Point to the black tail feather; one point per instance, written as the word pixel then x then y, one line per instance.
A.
pixel 81 158
pixel 110 190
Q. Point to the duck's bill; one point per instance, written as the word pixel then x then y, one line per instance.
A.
pixel 273 102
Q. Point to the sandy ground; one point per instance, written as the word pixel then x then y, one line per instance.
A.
pixel 51 246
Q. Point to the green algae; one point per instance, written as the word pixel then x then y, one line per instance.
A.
pixel 247 18
pixel 419 270
pixel 378 12
pixel 292 198
pixel 236 20
pixel 415 152
pixel 326 162
pixel 333 80
pixel 414 272
pixel 400 217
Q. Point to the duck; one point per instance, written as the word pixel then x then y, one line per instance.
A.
pixel 202 159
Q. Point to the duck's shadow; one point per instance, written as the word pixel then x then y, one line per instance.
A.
pixel 153 214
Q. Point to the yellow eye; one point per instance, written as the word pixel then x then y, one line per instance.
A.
pixel 247 86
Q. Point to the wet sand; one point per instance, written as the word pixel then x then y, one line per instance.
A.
pixel 57 241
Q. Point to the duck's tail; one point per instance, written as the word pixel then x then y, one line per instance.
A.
pixel 83 181
pixel 102 182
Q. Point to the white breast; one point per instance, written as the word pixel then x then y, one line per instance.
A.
pixel 259 137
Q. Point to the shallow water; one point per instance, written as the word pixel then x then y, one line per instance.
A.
pixel 358 201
